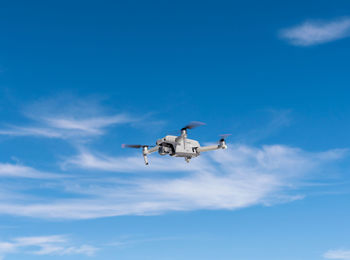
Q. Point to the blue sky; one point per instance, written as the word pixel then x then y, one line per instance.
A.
pixel 79 78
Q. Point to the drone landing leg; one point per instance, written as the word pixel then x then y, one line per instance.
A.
pixel 144 153
pixel 145 158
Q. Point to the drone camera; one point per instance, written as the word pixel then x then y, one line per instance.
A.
pixel 165 149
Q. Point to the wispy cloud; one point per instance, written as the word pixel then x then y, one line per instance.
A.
pixel 317 32
pixel 67 127
pixel 337 254
pixel 14 170
pixel 273 121
pixel 90 125
pixel 45 245
pixel 66 119
pixel 132 241
pixel 239 177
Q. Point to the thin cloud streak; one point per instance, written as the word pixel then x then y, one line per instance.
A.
pixel 337 254
pixel 126 242
pixel 67 118
pixel 45 245
pixel 67 127
pixel 91 125
pixel 317 32
pixel 31 131
pixel 274 121
pixel 19 171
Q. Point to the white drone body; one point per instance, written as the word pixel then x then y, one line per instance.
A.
pixel 179 146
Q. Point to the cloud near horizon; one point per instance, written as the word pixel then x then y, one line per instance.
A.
pixel 317 32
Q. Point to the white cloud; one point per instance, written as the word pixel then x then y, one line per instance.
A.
pixel 130 241
pixel 31 131
pixel 91 125
pixel 317 32
pixel 338 254
pixel 6 247
pixel 45 245
pixel 20 171
pixel 67 127
pixel 66 118
pixel 239 177
pixel 60 250
pixel 39 240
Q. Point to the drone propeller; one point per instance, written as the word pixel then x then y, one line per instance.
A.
pixel 137 146
pixel 193 124
pixel 224 136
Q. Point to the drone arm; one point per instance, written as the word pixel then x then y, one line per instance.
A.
pixel 152 150
pixel 208 148
pixel 221 145
pixel 145 152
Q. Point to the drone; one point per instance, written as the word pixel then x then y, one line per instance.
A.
pixel 179 146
